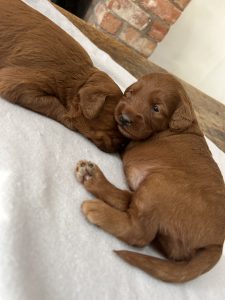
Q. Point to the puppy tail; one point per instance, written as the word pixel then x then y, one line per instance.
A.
pixel 174 271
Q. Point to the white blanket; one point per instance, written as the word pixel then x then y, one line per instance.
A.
pixel 48 251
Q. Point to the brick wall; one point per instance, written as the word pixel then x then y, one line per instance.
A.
pixel 140 24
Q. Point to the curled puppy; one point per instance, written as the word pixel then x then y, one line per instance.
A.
pixel 177 196
pixel 43 69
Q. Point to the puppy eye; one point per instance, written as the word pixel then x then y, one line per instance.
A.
pixel 155 107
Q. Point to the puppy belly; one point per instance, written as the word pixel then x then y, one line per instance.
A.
pixel 135 176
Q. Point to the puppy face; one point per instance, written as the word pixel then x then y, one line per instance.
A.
pixel 98 99
pixel 103 130
pixel 154 103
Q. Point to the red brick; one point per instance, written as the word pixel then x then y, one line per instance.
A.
pixel 100 10
pixel 110 23
pixel 129 11
pixel 158 30
pixel 117 4
pixel 144 46
pixel 162 8
pixel 129 35
pixel 181 3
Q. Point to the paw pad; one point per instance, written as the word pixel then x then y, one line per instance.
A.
pixel 84 170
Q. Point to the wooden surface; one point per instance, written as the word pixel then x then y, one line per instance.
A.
pixel 210 113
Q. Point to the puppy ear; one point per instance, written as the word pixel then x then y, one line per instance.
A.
pixel 132 88
pixel 92 100
pixel 183 116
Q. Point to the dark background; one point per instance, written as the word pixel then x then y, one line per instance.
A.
pixel 77 7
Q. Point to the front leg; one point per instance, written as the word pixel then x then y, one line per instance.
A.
pixel 95 182
pixel 18 86
pixel 49 106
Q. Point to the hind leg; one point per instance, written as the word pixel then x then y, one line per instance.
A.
pixel 126 226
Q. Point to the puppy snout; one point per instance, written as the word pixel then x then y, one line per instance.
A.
pixel 124 120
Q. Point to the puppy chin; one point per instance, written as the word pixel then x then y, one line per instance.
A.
pixel 132 136
pixel 125 133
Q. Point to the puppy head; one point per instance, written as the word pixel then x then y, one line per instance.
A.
pixel 94 92
pixel 98 98
pixel 156 102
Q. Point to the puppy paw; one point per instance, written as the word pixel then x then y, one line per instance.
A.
pixel 85 170
pixel 94 210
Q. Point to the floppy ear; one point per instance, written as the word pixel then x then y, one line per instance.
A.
pixel 183 116
pixel 92 100
pixel 133 88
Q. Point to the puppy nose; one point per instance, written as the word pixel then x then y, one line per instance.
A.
pixel 124 120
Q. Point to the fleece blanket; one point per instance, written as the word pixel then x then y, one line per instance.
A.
pixel 48 251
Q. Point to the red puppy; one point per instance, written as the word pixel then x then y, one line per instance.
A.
pixel 177 196
pixel 43 69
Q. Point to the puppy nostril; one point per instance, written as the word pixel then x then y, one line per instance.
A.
pixel 121 119
pixel 124 120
